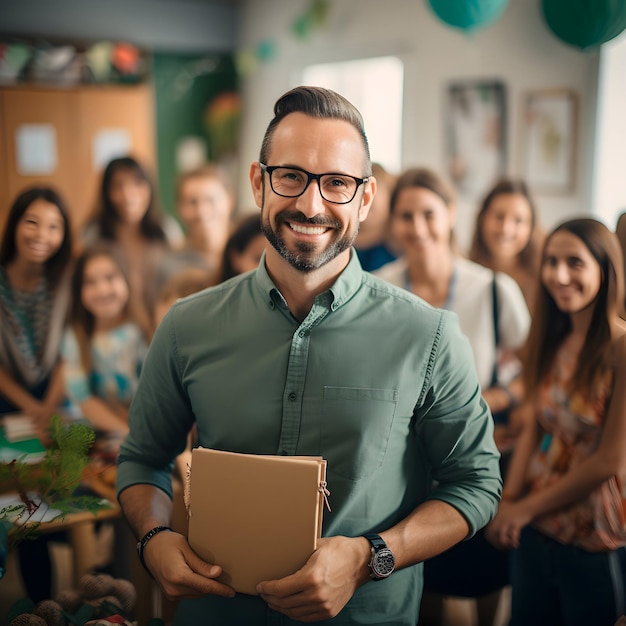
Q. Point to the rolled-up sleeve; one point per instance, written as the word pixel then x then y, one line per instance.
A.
pixel 455 430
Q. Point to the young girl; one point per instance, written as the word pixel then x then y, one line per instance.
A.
pixel 507 237
pixel 103 349
pixel 34 260
pixel 131 223
pixel 563 505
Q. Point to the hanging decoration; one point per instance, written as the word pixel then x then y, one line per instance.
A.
pixel 312 19
pixel 585 24
pixel 468 15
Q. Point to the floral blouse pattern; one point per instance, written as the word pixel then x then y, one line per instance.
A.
pixel 572 431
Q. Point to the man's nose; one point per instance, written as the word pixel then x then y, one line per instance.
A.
pixel 311 203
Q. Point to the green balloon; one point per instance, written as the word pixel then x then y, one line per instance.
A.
pixel 585 23
pixel 468 15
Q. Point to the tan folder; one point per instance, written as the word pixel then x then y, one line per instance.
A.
pixel 259 517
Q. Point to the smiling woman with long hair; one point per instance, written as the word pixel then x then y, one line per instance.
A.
pixel 564 499
pixel 507 237
pixel 130 221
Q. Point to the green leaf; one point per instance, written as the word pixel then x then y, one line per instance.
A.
pixel 54 479
pixel 84 614
pixel 24 605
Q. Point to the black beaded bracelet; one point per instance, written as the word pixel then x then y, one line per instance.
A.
pixel 144 541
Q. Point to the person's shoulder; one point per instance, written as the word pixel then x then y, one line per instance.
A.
pixel 392 272
pixel 470 270
pixel 618 336
pixel 173 232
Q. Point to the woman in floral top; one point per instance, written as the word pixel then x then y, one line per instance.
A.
pixel 563 505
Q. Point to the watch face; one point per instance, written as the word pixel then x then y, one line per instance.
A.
pixel 383 563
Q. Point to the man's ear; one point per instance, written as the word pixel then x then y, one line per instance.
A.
pixel 256 182
pixel 368 197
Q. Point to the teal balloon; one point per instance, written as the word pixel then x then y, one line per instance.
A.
pixel 585 23
pixel 468 15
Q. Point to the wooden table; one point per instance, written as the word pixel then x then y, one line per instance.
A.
pixel 80 526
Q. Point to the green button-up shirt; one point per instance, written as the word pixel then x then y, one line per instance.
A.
pixel 375 380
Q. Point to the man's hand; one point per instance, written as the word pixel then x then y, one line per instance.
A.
pixel 180 572
pixel 325 583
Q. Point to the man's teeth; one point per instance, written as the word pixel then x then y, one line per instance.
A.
pixel 308 230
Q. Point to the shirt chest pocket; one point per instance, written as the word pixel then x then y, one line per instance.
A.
pixel 356 425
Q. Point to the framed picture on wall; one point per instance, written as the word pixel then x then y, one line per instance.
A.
pixel 549 131
pixel 475 135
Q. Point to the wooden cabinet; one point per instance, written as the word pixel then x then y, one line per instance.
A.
pixel 82 118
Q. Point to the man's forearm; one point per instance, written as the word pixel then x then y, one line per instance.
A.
pixel 429 530
pixel 145 507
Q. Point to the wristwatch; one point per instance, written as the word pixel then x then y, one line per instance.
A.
pixel 382 562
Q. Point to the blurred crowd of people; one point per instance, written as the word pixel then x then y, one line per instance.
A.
pixel 541 313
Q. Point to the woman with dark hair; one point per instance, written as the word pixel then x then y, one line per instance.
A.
pixel 34 260
pixel 564 500
pixel 507 237
pixel 131 222
pixel 35 256
pixel 493 315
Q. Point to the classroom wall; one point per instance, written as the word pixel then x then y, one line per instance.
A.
pixel 179 25
pixel 518 49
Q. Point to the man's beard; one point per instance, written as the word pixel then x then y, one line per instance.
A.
pixel 304 258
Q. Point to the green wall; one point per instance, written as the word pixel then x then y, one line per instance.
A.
pixel 184 85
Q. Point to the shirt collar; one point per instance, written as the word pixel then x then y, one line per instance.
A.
pixel 346 285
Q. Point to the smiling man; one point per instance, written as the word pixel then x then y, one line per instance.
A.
pixel 309 355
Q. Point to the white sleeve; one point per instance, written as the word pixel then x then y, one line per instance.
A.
pixel 513 315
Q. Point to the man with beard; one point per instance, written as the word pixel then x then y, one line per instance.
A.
pixel 309 355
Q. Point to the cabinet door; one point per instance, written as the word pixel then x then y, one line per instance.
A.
pixel 80 121
pixel 27 116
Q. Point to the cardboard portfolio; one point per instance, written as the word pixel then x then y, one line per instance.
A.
pixel 259 517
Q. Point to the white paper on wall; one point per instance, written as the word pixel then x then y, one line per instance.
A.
pixel 109 144
pixel 36 149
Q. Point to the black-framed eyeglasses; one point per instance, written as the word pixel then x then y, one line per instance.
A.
pixel 291 182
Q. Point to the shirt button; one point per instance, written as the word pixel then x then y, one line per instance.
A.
pixel 301 334
pixel 292 396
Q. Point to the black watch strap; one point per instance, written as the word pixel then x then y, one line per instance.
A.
pixel 376 541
